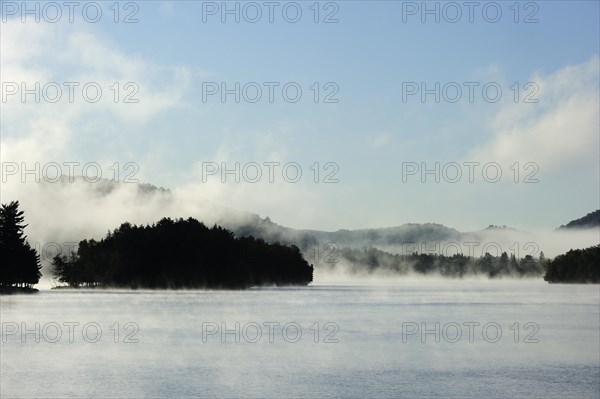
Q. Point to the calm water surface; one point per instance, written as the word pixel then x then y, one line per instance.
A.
pixel 497 339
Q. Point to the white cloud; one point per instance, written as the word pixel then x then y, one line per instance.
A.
pixel 380 140
pixel 167 8
pixel 561 130
pixel 44 53
pixel 45 132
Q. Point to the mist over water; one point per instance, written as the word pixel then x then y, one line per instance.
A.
pixel 423 181
pixel 61 214
pixel 364 344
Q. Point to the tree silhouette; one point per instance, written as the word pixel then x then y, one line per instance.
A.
pixel 576 266
pixel 20 263
pixel 371 260
pixel 181 254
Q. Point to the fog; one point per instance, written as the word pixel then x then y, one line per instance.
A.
pixel 73 209
pixel 552 243
pixel 371 353
pixel 342 274
pixel 61 214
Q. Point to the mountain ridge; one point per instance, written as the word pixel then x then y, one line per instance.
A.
pixel 591 220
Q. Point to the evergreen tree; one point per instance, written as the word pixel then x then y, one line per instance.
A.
pixel 503 267
pixel 20 263
pixel 513 265
pixel 576 266
pixel 181 254
pixel 486 264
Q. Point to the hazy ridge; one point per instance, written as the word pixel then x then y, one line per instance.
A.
pixel 73 209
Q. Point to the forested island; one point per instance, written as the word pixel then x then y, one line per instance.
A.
pixel 576 266
pixel 181 254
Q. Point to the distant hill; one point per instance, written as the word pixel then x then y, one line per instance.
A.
pixel 103 187
pixel 75 208
pixel 492 227
pixel 151 202
pixel 378 237
pixel 589 221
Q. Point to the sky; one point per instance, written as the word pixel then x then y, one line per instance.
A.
pixel 330 115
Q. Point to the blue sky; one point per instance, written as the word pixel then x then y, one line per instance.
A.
pixel 370 57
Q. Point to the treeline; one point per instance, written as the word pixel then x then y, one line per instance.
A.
pixel 181 254
pixel 576 266
pixel 374 260
pixel 19 262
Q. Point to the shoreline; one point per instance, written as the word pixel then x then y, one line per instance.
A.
pixel 17 290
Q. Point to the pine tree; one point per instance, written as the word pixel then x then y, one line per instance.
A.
pixel 20 263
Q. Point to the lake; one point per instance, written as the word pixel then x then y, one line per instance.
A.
pixel 406 338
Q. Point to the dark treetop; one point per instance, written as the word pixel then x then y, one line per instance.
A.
pixel 181 254
pixel 576 266
pixel 20 264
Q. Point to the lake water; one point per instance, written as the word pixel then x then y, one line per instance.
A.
pixel 326 340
